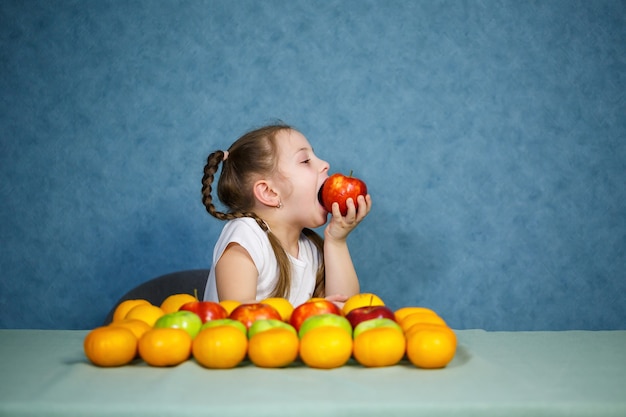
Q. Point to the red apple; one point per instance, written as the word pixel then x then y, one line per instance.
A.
pixel 338 188
pixel 206 310
pixel 361 314
pixel 249 313
pixel 312 308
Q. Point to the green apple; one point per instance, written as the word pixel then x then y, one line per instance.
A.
pixel 327 319
pixel 266 324
pixel 372 323
pixel 185 320
pixel 225 322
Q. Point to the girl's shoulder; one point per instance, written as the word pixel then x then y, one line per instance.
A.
pixel 246 233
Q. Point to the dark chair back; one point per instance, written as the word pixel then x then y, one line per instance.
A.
pixel 158 289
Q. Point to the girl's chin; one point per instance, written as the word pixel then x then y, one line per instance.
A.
pixel 323 219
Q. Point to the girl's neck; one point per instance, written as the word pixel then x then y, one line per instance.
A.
pixel 288 236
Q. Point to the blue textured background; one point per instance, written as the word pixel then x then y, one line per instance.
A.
pixel 492 135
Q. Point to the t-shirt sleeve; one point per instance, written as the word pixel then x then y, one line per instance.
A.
pixel 243 234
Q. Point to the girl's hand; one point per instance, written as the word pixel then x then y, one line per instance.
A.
pixel 338 299
pixel 340 226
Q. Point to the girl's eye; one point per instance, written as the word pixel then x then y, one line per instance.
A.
pixel 306 161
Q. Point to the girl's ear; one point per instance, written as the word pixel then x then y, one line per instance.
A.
pixel 265 194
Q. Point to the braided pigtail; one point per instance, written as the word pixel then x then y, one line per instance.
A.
pixel 210 169
pixel 283 285
pixel 212 164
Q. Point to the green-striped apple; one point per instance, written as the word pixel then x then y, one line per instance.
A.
pixel 327 319
pixel 267 324
pixel 185 320
pixel 370 324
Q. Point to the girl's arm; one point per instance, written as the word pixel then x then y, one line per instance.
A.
pixel 341 277
pixel 236 275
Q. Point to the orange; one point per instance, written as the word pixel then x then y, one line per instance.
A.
pixel 282 305
pixel 138 327
pixel 148 313
pixel 165 346
pixel 110 346
pixel 380 346
pixel 361 300
pixel 415 318
pixel 220 347
pixel 431 346
pixel 175 301
pixel 401 313
pixel 427 326
pixel 125 306
pixel 229 305
pixel 273 348
pixel 326 347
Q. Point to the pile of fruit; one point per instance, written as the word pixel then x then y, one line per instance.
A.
pixel 271 334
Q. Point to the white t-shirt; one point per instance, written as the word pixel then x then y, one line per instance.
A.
pixel 247 233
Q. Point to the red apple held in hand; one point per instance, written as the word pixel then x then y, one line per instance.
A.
pixel 312 308
pixel 206 310
pixel 361 314
pixel 338 188
pixel 249 313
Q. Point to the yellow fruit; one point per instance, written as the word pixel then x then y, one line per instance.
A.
pixel 426 326
pixel 110 346
pixel 361 300
pixel 138 327
pixel 229 305
pixel 415 318
pixel 165 346
pixel 282 305
pixel 379 346
pixel 326 347
pixel 431 347
pixel 220 347
pixel 124 307
pixel 148 313
pixel 273 348
pixel 401 313
pixel 175 301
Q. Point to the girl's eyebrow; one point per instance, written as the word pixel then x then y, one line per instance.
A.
pixel 303 149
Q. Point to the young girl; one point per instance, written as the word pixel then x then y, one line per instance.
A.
pixel 269 182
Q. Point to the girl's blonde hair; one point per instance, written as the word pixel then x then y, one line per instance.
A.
pixel 252 155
